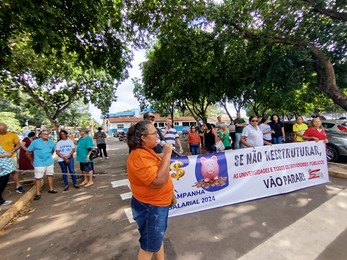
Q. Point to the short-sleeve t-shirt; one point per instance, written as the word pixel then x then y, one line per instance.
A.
pixel 254 136
pixel 171 136
pixel 43 152
pixel 226 141
pixel 142 167
pixel 100 137
pixel 312 132
pixel 65 147
pixel 301 128
pixel 239 129
pixel 83 146
pixel 265 128
pixel 8 141
pixel 277 127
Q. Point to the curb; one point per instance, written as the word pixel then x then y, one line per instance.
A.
pixel 338 174
pixel 9 214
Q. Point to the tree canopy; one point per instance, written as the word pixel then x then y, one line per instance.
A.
pixel 268 50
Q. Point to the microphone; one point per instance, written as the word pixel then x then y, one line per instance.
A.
pixel 162 143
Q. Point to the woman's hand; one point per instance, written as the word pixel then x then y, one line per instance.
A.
pixel 168 148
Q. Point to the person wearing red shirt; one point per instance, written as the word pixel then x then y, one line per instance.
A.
pixel 193 141
pixel 315 132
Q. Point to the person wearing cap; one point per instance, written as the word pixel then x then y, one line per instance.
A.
pixel 83 151
pixel 43 162
pixel 149 116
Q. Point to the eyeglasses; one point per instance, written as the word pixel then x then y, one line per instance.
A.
pixel 254 121
pixel 154 133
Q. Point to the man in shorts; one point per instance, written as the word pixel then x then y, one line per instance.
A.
pixel 10 143
pixel 43 148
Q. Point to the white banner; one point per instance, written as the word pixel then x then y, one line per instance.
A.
pixel 208 181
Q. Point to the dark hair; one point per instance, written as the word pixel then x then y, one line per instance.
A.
pixel 135 132
pixel 251 117
pixel 145 115
pixel 272 117
pixel 263 119
pixel 209 126
pixel 31 134
pixel 62 131
pixel 99 128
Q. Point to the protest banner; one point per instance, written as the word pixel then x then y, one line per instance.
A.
pixel 208 181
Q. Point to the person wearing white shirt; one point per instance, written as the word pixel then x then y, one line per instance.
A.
pixel 251 135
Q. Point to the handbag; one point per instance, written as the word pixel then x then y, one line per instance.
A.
pixel 94 154
pixel 220 146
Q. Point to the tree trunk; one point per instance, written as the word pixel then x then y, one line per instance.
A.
pixel 326 78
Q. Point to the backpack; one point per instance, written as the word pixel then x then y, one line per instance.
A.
pixel 94 154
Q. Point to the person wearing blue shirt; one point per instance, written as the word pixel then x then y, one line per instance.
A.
pixel 43 148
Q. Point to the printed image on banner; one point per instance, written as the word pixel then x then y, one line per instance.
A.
pixel 177 165
pixel 211 172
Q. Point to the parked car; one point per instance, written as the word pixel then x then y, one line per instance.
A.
pixel 335 125
pixel 337 146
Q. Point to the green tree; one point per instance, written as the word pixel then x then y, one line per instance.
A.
pixel 58 53
pixel 10 120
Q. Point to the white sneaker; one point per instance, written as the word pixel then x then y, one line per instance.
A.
pixel 101 159
pixel 106 158
pixel 6 202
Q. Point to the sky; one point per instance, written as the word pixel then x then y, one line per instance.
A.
pixel 124 93
pixel 126 99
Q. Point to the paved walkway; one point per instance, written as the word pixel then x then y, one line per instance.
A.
pixel 324 225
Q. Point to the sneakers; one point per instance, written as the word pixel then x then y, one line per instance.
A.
pixel 76 186
pixel 106 158
pixel 101 159
pixel 6 202
pixel 66 188
pixel 89 184
pixel 20 189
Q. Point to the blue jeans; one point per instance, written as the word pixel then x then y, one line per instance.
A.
pixel 152 224
pixel 237 140
pixel 277 140
pixel 64 167
pixel 194 149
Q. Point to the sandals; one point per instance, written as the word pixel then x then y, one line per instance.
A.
pixel 89 184
pixel 52 191
pixel 37 197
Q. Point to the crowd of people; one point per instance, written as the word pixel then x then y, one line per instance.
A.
pixel 36 155
pixel 258 131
